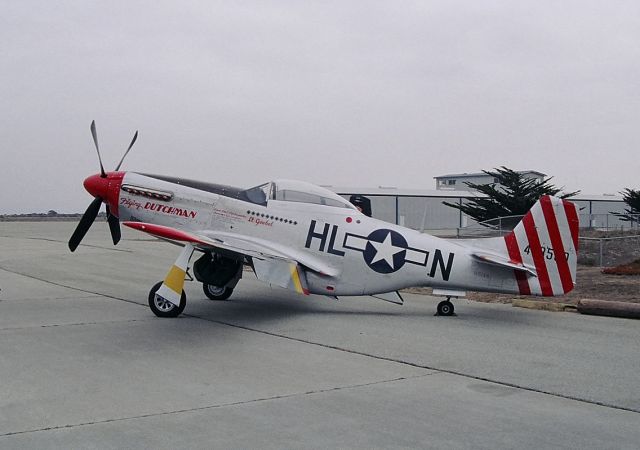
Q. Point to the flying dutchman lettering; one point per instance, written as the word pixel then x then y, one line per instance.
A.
pixel 171 210
pixel 438 260
pixel 130 203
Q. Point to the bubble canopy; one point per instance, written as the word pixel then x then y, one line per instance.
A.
pixel 296 191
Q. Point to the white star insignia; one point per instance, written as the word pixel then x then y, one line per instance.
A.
pixel 385 250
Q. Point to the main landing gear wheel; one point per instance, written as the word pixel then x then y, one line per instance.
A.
pixel 162 307
pixel 445 308
pixel 214 292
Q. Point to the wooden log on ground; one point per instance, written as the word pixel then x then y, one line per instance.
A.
pixel 605 308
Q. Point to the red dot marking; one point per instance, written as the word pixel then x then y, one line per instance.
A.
pixel 349 219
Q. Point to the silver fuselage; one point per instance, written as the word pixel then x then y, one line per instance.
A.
pixel 369 256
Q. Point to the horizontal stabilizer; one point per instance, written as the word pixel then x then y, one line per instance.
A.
pixel 495 260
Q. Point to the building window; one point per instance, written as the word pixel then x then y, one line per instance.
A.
pixel 451 182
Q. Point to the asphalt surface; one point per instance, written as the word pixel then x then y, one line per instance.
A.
pixel 85 364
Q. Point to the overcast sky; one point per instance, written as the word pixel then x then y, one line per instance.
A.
pixel 348 93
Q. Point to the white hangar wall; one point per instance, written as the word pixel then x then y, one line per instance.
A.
pixel 424 210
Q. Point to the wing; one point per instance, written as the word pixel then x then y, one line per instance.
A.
pixel 273 263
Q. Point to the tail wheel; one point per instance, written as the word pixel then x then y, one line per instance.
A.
pixel 162 307
pixel 214 292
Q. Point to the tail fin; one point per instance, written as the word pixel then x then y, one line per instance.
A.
pixel 547 239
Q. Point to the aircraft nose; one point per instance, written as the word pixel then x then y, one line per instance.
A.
pixel 97 186
pixel 106 188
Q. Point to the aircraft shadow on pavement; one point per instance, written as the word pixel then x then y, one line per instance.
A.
pixel 248 309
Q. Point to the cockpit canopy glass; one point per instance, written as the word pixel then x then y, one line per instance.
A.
pixel 289 195
pixel 296 191
pixel 301 192
pixel 259 194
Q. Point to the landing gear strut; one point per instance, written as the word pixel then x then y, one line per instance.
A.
pixel 167 298
pixel 445 308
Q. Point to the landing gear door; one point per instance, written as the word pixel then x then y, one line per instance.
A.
pixel 286 274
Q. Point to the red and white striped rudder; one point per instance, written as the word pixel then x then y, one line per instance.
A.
pixel 546 239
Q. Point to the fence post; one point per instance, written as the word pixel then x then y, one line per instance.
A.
pixel 397 212
pixel 600 252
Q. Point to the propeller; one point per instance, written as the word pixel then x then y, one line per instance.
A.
pixel 114 226
pixel 85 223
pixel 95 141
pixel 135 136
pixel 91 213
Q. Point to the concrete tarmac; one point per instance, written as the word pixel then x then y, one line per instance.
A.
pixel 85 364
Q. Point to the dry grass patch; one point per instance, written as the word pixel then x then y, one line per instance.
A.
pixel 633 268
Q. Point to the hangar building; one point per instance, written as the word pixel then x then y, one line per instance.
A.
pixel 422 209
pixel 456 181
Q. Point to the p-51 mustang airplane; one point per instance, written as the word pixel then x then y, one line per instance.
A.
pixel 308 239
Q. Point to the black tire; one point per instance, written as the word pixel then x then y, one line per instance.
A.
pixel 162 307
pixel 445 308
pixel 214 292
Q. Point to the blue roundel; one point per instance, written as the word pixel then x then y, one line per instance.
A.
pixel 385 251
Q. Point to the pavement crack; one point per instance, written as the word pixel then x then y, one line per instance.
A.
pixel 33 277
pixel 217 406
pixel 65 242
pixel 56 325
pixel 427 367
pixel 50 299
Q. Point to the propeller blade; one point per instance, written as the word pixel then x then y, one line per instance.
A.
pixel 85 223
pixel 135 136
pixel 95 141
pixel 114 226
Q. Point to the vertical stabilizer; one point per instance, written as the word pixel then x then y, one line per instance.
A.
pixel 547 239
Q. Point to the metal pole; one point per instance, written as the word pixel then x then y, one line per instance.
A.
pixel 601 252
pixel 424 218
pixel 459 219
pixel 397 212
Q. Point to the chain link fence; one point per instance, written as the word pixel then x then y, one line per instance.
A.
pixel 588 222
pixel 610 222
pixel 605 240
pixel 609 251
